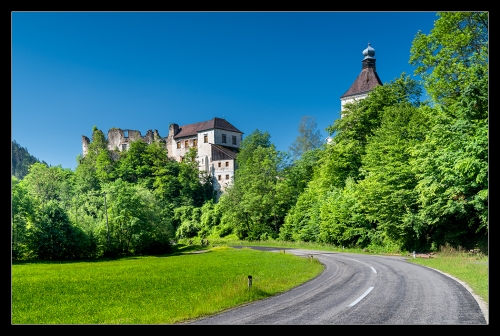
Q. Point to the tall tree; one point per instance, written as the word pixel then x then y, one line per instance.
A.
pixel 309 137
pixel 452 168
pixel 50 183
pixel 387 193
pixel 52 236
pixel 342 159
pixel 252 205
pixel 452 55
pixel 135 219
pixel 452 163
pixel 23 214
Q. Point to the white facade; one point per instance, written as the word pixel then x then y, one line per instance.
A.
pixel 351 99
pixel 216 142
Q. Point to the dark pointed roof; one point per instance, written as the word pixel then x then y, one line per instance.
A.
pixel 367 80
pixel 193 129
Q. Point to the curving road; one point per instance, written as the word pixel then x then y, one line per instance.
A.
pixel 362 289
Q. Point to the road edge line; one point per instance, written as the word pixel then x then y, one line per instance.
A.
pixel 482 304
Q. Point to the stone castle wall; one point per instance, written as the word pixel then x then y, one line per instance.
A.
pixel 119 139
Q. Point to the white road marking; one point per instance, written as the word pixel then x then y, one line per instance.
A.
pixel 373 269
pixel 361 297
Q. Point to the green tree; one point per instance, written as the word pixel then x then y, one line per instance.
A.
pixel 309 137
pixel 135 220
pixel 452 55
pixel 192 191
pixel 253 141
pixel 187 221
pixel 132 166
pixel 342 159
pixel 52 236
pixel 105 166
pixel 387 192
pixel 50 183
pixel 342 221
pixel 22 160
pixel 23 213
pixel 251 206
pixel 87 176
pixel 302 220
pixel 452 170
pixel 452 163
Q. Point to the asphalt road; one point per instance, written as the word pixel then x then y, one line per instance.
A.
pixel 362 289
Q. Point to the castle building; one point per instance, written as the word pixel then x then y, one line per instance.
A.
pixel 217 142
pixel 366 81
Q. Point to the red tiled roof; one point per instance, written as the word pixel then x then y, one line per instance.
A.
pixel 367 80
pixel 193 129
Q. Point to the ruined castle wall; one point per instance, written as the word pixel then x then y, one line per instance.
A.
pixel 149 138
pixel 173 129
pixel 85 145
pixel 121 139
pixel 133 136
pixel 115 139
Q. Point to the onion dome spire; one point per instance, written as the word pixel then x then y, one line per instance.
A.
pixel 369 60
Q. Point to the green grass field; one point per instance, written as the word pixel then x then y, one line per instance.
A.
pixel 151 290
pixel 175 288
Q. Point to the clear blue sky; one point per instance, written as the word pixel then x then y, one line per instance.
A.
pixel 145 70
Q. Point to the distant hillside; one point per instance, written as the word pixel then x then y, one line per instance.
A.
pixel 21 160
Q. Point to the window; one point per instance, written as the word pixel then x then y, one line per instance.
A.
pixel 202 161
pixel 205 138
pixel 223 138
pixel 219 177
pixel 124 147
pixel 178 144
pixel 186 144
pixel 227 176
pixel 227 163
pixel 234 139
pixel 195 142
pixel 125 134
pixel 219 165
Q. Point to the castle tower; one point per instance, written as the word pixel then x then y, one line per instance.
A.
pixel 367 80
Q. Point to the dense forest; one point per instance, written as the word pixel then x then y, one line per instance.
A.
pixel 400 174
pixel 22 160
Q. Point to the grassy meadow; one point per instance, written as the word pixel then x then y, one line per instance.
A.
pixel 151 290
pixel 185 285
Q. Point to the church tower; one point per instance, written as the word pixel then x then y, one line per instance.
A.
pixel 367 80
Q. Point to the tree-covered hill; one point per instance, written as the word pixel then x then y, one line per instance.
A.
pixel 21 160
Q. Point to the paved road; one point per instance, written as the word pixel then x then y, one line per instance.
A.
pixel 362 289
